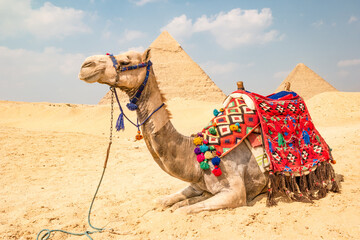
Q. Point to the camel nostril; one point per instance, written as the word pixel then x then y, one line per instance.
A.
pixel 88 64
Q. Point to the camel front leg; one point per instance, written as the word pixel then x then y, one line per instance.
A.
pixel 232 197
pixel 188 192
pixel 191 201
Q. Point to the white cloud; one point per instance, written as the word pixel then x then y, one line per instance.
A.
pixel 347 63
pixel 281 74
pixel 143 2
pixel 233 29
pixel 130 35
pixel 48 75
pixel 180 27
pixel 50 61
pixel 352 19
pixel 214 68
pixel 137 49
pixel 49 21
pixel 318 23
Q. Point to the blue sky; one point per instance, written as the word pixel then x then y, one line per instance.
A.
pixel 43 43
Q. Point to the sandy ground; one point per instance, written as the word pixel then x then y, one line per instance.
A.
pixel 51 159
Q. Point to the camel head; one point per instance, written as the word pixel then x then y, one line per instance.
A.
pixel 99 68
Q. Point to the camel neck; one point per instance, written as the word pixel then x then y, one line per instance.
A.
pixel 171 150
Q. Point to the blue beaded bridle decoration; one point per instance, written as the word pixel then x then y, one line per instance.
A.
pixel 132 105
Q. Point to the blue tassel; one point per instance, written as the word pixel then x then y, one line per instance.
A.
pixel 270 146
pixel 306 137
pixel 120 122
pixel 131 106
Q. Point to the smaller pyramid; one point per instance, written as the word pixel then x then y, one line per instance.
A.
pixel 306 82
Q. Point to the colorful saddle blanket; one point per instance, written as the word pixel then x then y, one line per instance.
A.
pixel 292 144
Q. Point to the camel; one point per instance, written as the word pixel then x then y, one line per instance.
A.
pixel 241 181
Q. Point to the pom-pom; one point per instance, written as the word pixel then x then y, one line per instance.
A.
pixel 197 141
pixel 197 151
pixel 214 124
pixel 217 171
pixel 200 134
pixel 216 112
pixel 237 124
pixel 208 155
pixel 205 142
pixel 333 161
pixel 222 109
pixel 204 165
pixel 139 136
pixel 233 127
pixel 200 157
pixel 204 148
pixel 218 153
pixel 212 131
pixel 131 106
pixel 215 161
pixel 212 148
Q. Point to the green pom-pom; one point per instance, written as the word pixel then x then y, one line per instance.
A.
pixel 204 165
pixel 212 148
pixel 212 131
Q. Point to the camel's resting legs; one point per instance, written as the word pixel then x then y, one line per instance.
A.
pixel 188 192
pixel 231 197
pixel 191 201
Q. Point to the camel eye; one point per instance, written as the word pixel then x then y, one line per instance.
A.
pixel 124 62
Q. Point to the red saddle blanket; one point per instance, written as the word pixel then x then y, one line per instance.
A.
pixel 291 140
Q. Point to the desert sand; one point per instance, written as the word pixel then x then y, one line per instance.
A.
pixel 52 155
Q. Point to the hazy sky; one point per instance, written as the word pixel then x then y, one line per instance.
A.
pixel 43 43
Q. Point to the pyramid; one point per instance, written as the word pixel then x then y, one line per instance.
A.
pixel 306 82
pixel 177 74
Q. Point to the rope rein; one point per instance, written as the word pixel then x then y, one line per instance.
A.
pixel 45 234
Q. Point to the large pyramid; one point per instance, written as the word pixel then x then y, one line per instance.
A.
pixel 306 82
pixel 178 75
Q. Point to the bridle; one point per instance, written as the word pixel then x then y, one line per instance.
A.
pixel 132 105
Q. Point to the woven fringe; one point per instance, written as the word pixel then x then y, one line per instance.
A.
pixel 272 189
pixel 305 188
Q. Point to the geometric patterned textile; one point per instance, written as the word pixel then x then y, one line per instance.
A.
pixel 230 126
pixel 292 143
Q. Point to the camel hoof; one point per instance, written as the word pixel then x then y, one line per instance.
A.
pixel 183 211
pixel 162 202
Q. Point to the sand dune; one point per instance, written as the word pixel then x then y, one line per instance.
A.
pixel 51 159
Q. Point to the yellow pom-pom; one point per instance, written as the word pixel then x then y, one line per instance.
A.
pixel 197 141
pixel 208 155
pixel 221 109
pixel 234 127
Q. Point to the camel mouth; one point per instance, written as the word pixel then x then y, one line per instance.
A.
pixel 90 77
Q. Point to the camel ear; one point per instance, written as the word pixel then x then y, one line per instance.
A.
pixel 146 55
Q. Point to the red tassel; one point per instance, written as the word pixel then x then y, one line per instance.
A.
pixel 217 171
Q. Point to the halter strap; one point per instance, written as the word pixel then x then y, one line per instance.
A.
pixel 132 104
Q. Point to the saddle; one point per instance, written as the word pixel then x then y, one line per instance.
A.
pixel 279 128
